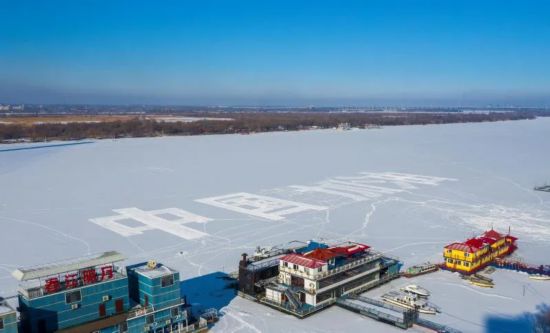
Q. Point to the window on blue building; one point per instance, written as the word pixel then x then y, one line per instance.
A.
pixel 175 312
pixel 167 281
pixel 1 324
pixel 150 319
pixel 73 296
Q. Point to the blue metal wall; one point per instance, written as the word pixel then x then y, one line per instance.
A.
pixel 10 322
pixel 142 287
pixel 161 319
pixel 57 314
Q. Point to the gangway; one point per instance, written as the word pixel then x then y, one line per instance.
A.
pixel 435 326
pixel 378 310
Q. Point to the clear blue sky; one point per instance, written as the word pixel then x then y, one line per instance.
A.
pixel 262 52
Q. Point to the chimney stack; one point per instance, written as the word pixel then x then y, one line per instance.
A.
pixel 244 261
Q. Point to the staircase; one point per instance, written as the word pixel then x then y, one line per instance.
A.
pixel 292 299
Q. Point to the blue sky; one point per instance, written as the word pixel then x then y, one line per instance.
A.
pixel 276 52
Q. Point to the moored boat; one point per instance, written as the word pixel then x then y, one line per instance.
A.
pixel 416 289
pixel 481 283
pixel 420 269
pixel 409 301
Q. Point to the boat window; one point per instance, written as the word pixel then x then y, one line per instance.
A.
pixel 175 312
pixel 167 281
pixel 73 296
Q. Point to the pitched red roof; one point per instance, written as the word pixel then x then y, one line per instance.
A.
pixel 301 260
pixel 475 242
pixel 492 234
pixel 462 247
pixel 487 240
pixel 322 254
pixel 333 252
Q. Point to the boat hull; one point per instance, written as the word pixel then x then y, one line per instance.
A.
pixel 408 306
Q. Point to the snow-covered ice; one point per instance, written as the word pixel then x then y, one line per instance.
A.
pixel 197 203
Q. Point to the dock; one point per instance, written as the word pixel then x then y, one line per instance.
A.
pixel 379 310
pixel 435 326
pixel 544 188
pixel 390 314
pixel 520 266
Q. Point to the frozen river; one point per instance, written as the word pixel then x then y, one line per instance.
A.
pixel 197 203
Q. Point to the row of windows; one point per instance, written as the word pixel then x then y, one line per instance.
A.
pixel 466 254
pixel 151 318
pixel 75 296
pixel 458 262
pixel 295 267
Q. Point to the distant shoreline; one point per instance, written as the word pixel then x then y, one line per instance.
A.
pixel 70 127
pixel 2 150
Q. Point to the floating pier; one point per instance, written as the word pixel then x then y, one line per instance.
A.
pixel 544 188
pixel 379 310
pixel 517 265
pixel 435 326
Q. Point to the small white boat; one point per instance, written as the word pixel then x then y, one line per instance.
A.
pixel 541 277
pixel 416 289
pixel 409 301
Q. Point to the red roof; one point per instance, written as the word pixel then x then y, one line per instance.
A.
pixel 487 240
pixel 319 257
pixel 475 242
pixel 492 234
pixel 301 260
pixel 462 247
pixel 356 248
pixel 333 252
pixel 322 254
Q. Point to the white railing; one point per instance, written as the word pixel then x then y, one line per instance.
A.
pixel 339 269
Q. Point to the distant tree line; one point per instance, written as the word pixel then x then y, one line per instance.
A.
pixel 243 122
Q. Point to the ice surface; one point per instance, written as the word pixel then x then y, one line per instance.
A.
pixel 405 190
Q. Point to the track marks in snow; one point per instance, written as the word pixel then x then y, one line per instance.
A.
pixel 50 229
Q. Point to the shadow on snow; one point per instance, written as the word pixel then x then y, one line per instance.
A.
pixel 538 321
pixel 214 290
